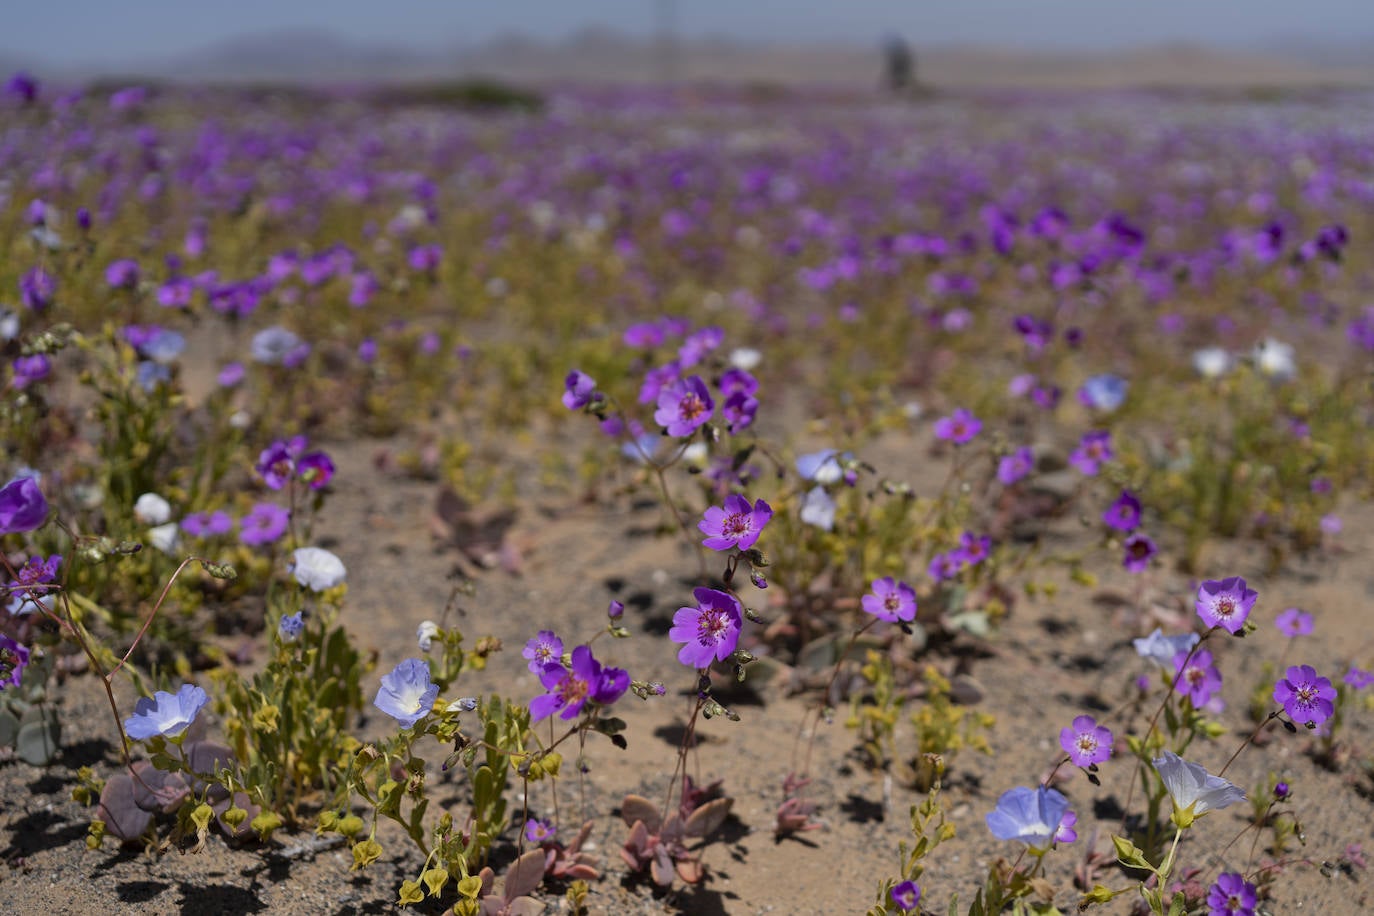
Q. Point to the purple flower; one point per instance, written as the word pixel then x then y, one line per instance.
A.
pixel 122 274
pixel 291 626
pixel 276 465
pixel 315 469
pixel 959 427
pixel 1124 514
pixel 230 375
pixel 23 87
pixel 1065 832
pixel 891 600
pixel 738 524
pixel 1198 679
pixel 207 524
pixel 570 690
pixel 407 693
pixel 165 714
pixel 543 650
pixel 1294 622
pixel 37 288
pixel 646 336
pixel 1225 603
pixel 973 549
pixel 22 506
pixel 1016 466
pixel 710 631
pixel 684 406
pixel 1030 816
pixel 1359 678
pixel 1306 697
pixel 736 379
pixel 1232 895
pixel 580 390
pixel 1094 450
pixel 30 369
pixel 1086 742
pixel 14 658
pixel 655 380
pixel 943 566
pixel 1137 552
pixel 738 411
pixel 539 832
pixel 906 895
pixel 263 524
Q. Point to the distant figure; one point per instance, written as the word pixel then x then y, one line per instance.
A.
pixel 900 64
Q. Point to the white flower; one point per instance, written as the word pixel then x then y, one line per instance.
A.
pixel 823 467
pixel 1193 789
pixel 745 358
pixel 165 537
pixel 426 633
pixel 696 455
pixel 818 509
pixel 1212 362
pixel 9 323
pixel 1275 359
pixel 317 569
pixel 1161 649
pixel 152 509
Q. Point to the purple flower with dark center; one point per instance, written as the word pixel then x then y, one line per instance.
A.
pixel 1198 678
pixel 276 465
pixel 1086 742
pixel 37 288
pixel 710 631
pixel 1030 816
pixel 959 427
pixel 891 600
pixel 407 693
pixel 738 524
pixel 1307 698
pixel 38 571
pixel 315 469
pixel 543 650
pixel 14 658
pixel 571 690
pixel 943 566
pixel 580 388
pixel 1137 552
pixel 207 524
pixel 973 549
pixel 539 832
pixel 263 524
pixel 738 410
pixel 906 895
pixel 165 714
pixel 1294 622
pixel 1124 514
pixel 122 274
pixel 1225 603
pixel 1231 895
pixel 655 380
pixel 697 345
pixel 1016 466
pixel 22 506
pixel 684 406
pixel 646 335
pixel 425 258
pixel 1094 450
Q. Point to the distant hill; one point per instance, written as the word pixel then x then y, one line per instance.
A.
pixel 606 56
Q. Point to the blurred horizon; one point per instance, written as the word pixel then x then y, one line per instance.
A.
pixel 980 42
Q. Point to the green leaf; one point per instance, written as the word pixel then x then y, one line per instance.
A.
pixel 38 742
pixel 9 728
pixel 1178 906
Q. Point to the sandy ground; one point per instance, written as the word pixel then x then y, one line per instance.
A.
pixel 1052 661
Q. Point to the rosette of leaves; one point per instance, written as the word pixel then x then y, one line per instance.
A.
pixel 661 845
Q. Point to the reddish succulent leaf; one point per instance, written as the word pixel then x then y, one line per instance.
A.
pixel 524 874
pixel 637 808
pixel 690 870
pixel 123 818
pixel 707 819
pixel 663 867
pixel 157 790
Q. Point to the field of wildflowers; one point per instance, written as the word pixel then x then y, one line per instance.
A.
pixel 694 502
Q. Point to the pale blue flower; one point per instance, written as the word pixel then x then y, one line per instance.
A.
pixel 1030 816
pixel 407 694
pixel 818 509
pixel 165 714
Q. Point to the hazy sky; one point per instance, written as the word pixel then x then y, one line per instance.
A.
pixel 86 31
